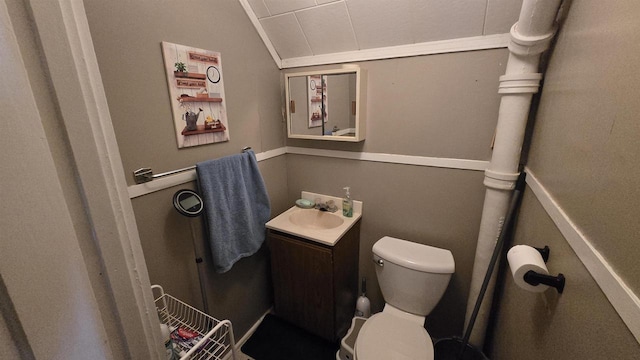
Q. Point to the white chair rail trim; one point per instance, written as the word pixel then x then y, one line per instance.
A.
pixel 624 301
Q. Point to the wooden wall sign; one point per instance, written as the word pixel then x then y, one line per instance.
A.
pixel 203 57
pixel 191 83
pixel 196 88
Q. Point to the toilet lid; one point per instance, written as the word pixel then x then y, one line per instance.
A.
pixel 387 337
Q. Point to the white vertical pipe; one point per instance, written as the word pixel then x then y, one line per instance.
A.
pixel 530 36
pixel 537 17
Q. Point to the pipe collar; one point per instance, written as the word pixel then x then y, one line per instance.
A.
pixel 520 83
pixel 529 45
pixel 499 180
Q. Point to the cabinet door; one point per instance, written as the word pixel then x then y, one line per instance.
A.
pixel 302 282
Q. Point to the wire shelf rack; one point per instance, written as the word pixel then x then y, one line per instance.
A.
pixel 214 338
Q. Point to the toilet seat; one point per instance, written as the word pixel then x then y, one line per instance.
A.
pixel 388 337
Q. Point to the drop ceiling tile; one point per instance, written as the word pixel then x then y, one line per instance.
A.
pixel 501 15
pixel 277 7
pixel 320 2
pixel 286 36
pixel 434 20
pixel 259 8
pixel 380 23
pixel 328 28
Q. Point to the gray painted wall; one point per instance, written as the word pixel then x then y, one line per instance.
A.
pixel 440 106
pixel 438 207
pixel 170 242
pixel 580 323
pixel 127 37
pixel 585 152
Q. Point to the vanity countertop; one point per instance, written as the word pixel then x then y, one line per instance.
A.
pixel 327 236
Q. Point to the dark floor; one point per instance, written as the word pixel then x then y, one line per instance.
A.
pixel 276 339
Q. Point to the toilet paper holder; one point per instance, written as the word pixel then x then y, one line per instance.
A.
pixel 533 278
pixel 544 252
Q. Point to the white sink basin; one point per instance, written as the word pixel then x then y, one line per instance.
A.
pixel 315 219
pixel 319 226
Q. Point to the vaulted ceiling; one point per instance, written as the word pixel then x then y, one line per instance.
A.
pixel 308 29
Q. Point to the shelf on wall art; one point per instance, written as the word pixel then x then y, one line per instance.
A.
pixel 189 75
pixel 200 99
pixel 201 130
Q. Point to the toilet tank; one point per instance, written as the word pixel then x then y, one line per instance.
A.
pixel 412 276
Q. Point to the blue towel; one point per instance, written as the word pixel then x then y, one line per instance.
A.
pixel 236 207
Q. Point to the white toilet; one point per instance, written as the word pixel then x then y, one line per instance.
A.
pixel 413 278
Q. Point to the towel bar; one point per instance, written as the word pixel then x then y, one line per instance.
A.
pixel 144 175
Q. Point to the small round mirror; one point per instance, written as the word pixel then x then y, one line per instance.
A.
pixel 188 203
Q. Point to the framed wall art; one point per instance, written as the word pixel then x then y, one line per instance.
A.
pixel 318 104
pixel 196 89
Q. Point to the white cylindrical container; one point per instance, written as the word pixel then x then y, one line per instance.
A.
pixel 363 305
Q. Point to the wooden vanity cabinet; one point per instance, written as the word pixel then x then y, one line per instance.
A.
pixel 315 285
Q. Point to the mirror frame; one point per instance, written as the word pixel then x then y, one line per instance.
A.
pixel 361 95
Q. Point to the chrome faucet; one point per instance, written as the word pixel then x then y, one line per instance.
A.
pixel 329 206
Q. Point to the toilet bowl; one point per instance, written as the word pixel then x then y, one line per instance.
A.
pixel 413 278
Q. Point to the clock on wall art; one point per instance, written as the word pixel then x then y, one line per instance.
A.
pixel 196 89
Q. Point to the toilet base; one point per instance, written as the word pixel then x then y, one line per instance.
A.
pixel 348 342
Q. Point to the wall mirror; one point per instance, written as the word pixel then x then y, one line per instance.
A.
pixel 326 104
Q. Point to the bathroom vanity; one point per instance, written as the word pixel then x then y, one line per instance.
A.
pixel 315 268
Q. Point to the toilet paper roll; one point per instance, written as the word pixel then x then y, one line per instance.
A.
pixel 523 258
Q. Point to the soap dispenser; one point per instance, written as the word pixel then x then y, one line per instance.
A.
pixel 347 204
